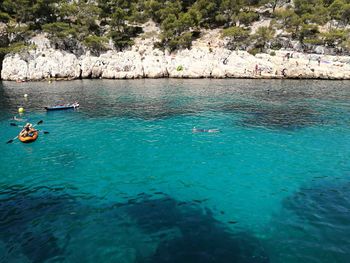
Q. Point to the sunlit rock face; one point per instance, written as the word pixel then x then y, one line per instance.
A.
pixel 45 62
pixel 37 65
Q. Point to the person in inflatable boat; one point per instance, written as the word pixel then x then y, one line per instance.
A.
pixel 27 130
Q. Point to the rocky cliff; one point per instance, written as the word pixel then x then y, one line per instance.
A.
pixel 143 61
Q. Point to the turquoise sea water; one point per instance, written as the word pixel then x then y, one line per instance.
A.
pixel 124 178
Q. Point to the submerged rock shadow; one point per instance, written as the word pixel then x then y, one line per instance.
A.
pixel 26 221
pixel 33 219
pixel 199 236
pixel 282 117
pixel 314 221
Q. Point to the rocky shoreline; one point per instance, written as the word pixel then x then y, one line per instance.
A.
pixel 198 62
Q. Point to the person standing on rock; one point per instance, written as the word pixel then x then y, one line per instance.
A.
pixel 284 72
pixel 287 56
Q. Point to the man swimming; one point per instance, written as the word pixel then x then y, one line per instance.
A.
pixel 195 130
pixel 18 119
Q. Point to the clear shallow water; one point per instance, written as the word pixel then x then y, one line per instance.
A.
pixel 124 179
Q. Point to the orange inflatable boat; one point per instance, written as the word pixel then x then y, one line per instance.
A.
pixel 29 138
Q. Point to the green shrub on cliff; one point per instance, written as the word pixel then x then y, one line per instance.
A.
pixel 253 51
pixel 308 33
pixel 121 40
pixel 346 44
pixel 59 29
pixel 339 10
pixel 334 37
pixel 76 20
pixel 19 32
pixel 236 36
pixel 15 48
pixel 228 11
pixel 4 17
pixel 287 18
pixel 180 42
pixel 34 12
pixel 246 18
pixel 263 36
pixel 208 11
pixel 236 33
pixel 95 43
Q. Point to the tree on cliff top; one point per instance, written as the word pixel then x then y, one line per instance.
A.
pixel 263 36
pixel 36 12
pixel 237 36
pixel 179 20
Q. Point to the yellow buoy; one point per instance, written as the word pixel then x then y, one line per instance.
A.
pixel 21 110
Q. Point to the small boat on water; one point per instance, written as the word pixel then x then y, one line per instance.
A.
pixel 63 106
pixel 30 138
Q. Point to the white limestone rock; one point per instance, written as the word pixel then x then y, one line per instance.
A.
pixel 122 65
pixel 41 42
pixel 14 68
pixel 91 66
pixel 154 64
pixel 198 62
pixel 194 63
pixel 36 65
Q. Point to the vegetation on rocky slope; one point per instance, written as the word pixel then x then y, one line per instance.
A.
pixel 94 23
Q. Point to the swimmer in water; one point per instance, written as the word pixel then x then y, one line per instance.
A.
pixel 19 119
pixel 195 130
